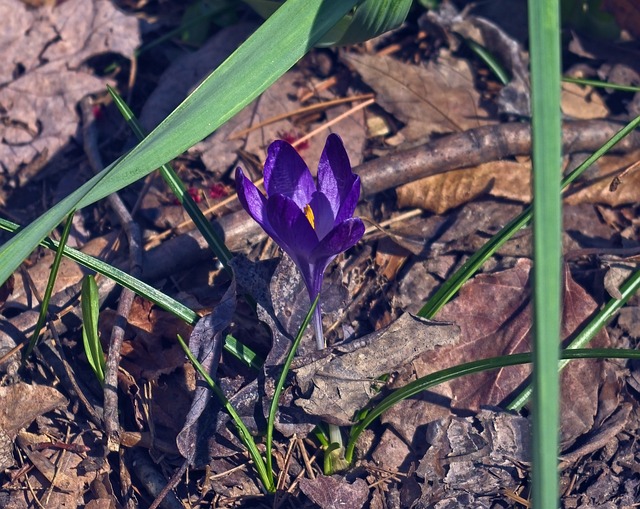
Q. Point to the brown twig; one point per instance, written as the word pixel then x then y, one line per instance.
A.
pixel 112 427
pixel 171 485
pixel 461 150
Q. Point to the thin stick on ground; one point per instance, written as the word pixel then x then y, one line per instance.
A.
pixel 134 238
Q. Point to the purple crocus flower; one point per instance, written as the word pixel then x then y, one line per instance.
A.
pixel 312 224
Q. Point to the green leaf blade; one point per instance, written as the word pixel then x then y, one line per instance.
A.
pixel 90 303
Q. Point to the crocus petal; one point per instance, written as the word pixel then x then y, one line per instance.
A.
pixel 341 238
pixel 294 232
pixel 254 202
pixel 335 178
pixel 349 202
pixel 322 214
pixel 287 174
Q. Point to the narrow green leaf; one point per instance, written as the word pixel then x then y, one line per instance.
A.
pixel 119 276
pixel 243 353
pixel 490 60
pixel 469 368
pixel 232 345
pixel 266 475
pixel 273 409
pixel 178 188
pixel 601 84
pixel 53 274
pixel 90 300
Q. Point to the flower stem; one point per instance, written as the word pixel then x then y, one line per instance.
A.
pixel 317 326
pixel 336 460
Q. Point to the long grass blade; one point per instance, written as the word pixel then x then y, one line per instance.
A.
pixel 266 475
pixel 546 135
pixel 53 274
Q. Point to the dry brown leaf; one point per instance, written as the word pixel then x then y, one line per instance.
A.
pixel 442 192
pixel 41 70
pixel 61 473
pixel 512 180
pixel 333 492
pixel 23 296
pixel 581 102
pixel 439 98
pixel 341 385
pixel 494 315
pixel 390 258
pixel 21 403
pixel 150 348
pixel 69 273
pixel 595 187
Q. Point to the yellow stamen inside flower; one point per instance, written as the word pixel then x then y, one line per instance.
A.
pixel 308 212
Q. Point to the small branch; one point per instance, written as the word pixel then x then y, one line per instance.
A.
pixel 132 231
pixel 470 148
pixel 171 485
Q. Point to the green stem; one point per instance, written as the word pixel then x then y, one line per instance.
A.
pixel 334 454
pixel 317 327
pixel 280 385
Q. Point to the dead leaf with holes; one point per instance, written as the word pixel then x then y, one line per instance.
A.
pixel 42 72
pixel 595 186
pixel 438 98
